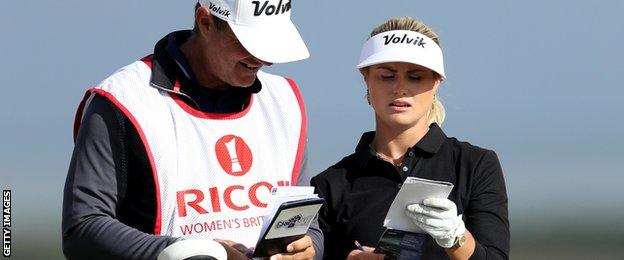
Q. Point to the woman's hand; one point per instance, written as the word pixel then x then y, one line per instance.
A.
pixel 438 217
pixel 366 254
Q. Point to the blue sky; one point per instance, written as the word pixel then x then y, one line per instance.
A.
pixel 539 82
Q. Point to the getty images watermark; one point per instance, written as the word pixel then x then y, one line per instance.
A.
pixel 6 223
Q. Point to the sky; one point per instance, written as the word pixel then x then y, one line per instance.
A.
pixel 539 82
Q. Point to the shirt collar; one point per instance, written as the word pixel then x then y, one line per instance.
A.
pixel 173 49
pixel 430 143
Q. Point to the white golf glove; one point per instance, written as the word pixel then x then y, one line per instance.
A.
pixel 438 217
pixel 193 247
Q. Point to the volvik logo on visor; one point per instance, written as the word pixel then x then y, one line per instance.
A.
pixel 402 46
pixel 405 39
pixel 218 10
pixel 269 9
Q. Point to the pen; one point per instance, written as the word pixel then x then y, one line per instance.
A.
pixel 359 246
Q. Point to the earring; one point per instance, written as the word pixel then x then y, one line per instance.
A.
pixel 368 97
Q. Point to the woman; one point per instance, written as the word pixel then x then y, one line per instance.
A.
pixel 402 66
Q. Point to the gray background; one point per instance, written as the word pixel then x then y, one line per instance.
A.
pixel 537 81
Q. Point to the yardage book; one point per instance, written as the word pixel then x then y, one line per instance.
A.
pixel 290 214
pixel 413 190
pixel 403 239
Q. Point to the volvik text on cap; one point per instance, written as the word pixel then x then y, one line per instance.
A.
pixel 263 27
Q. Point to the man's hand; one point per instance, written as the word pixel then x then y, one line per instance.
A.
pixel 438 217
pixel 297 250
pixel 235 251
pixel 367 254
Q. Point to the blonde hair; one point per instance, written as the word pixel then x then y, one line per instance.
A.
pixel 437 114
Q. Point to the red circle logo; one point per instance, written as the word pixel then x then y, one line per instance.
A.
pixel 234 155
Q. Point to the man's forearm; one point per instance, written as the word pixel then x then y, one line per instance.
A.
pixel 316 235
pixel 102 237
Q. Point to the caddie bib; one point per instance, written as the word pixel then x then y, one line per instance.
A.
pixel 213 171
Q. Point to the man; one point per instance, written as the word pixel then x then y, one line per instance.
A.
pixel 187 143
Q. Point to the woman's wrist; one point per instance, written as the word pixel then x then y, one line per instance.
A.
pixel 464 251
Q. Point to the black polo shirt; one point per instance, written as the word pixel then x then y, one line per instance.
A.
pixel 360 188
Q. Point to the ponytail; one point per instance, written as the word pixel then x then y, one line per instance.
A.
pixel 437 112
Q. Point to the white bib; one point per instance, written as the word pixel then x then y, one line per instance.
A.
pixel 213 172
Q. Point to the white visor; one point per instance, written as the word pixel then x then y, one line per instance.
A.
pixel 402 46
pixel 263 27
